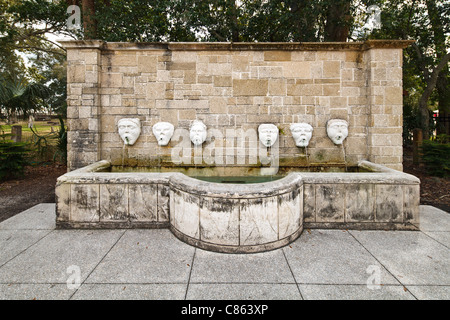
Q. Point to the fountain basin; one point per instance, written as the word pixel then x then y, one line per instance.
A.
pixel 235 217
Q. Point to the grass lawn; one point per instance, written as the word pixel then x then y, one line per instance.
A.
pixel 43 146
pixel 41 127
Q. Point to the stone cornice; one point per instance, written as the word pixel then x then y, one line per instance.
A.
pixel 238 46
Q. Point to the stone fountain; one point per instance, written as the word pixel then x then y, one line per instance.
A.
pixel 236 147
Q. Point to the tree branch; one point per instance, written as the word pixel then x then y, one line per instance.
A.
pixel 39 49
pixel 426 73
pixel 431 82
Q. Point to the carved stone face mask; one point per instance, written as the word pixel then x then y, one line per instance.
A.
pixel 163 132
pixel 337 130
pixel 302 133
pixel 198 133
pixel 129 130
pixel 268 134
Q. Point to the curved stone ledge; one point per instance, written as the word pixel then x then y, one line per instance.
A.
pixel 236 249
pixel 235 191
pixel 236 217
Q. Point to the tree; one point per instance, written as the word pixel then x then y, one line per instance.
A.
pixel 439 18
pixel 338 20
pixel 428 23
pixel 426 71
pixel 17 96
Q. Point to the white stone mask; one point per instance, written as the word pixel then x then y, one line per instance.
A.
pixel 197 133
pixel 163 132
pixel 337 130
pixel 268 134
pixel 302 133
pixel 129 130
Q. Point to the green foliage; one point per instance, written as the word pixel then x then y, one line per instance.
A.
pixel 13 159
pixel 140 20
pixel 41 84
pixel 61 144
pixel 436 156
pixel 412 119
pixel 46 142
pixel 17 95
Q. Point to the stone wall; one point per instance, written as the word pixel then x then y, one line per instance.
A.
pixel 235 86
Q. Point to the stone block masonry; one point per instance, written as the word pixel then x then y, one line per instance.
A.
pixel 235 86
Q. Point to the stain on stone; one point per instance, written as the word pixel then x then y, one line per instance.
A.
pixel 114 203
pixel 218 205
pixel 388 211
pixel 329 203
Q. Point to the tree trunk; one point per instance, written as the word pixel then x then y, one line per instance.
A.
pixel 303 20
pixel 337 26
pixel 234 22
pixel 443 89
pixel 431 85
pixel 89 21
pixel 442 85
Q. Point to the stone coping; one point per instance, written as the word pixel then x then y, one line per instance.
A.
pixel 236 191
pixel 379 175
pixel 238 46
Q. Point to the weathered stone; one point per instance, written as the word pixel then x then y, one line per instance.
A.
pixel 185 214
pixel 63 201
pixel 330 203
pixel 85 200
pixel 258 221
pixel 309 202
pixel 290 217
pixel 219 221
pixel 360 202
pixel 143 202
pixel 389 203
pixel 163 203
pixel 114 202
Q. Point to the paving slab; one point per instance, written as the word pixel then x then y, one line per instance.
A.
pixel 243 291
pixel 130 292
pixel 48 260
pixel 37 261
pixel 332 257
pixel 430 292
pixel 436 224
pixel 434 219
pixel 213 267
pixel 39 217
pixel 33 291
pixel 412 257
pixel 13 242
pixel 145 256
pixel 354 292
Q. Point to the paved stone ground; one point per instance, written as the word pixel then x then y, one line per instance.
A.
pixel 39 262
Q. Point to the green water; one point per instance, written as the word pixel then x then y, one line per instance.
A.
pixel 238 179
